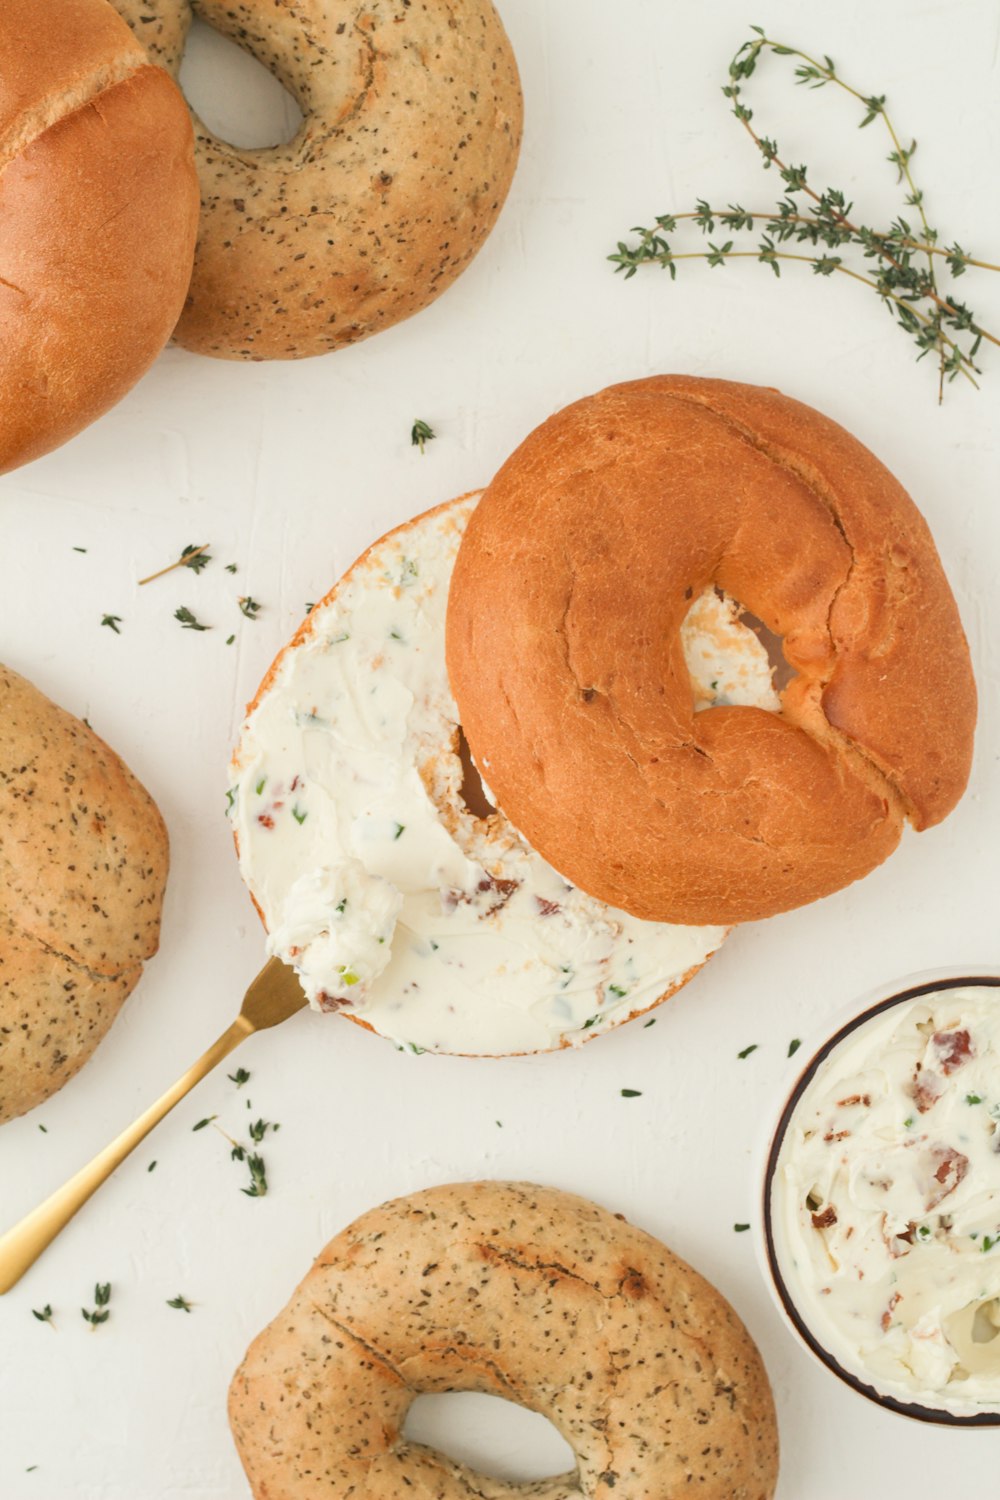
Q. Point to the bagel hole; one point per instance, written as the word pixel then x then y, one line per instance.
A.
pixel 472 791
pixel 782 671
pixel 495 1437
pixel 733 658
pixel 238 99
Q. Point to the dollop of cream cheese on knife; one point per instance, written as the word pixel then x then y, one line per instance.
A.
pixel 442 931
pixel 886 1201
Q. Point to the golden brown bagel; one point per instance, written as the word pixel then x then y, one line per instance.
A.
pixel 522 1292
pixel 99 206
pixel 83 864
pixel 410 136
pixel 564 655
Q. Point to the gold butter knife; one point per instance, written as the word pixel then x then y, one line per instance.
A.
pixel 272 997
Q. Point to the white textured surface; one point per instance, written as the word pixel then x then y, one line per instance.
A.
pixel 290 471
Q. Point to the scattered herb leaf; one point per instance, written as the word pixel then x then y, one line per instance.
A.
pixel 747 1050
pixel 180 1303
pixel 740 1228
pixel 631 1093
pixel 43 1314
pixel 112 622
pixel 100 1313
pixel 188 620
pixel 240 1077
pixel 230 567
pixel 152 1166
pixel 249 607
pixel 258 1178
pixel 192 557
pixel 973 1099
pixel 421 433
pixel 202 1123
pixel 794 1045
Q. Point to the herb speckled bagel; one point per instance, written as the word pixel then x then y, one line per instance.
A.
pixel 83 864
pixel 411 130
pixel 573 694
pixel 522 1292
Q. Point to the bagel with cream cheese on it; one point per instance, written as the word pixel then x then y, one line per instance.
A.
pixel 566 657
pixel 403 901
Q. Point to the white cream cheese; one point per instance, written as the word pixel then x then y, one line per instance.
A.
pixel 886 1202
pixel 442 931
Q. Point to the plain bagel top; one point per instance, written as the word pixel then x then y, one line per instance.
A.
pixel 565 658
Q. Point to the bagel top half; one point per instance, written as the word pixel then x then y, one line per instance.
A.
pixel 565 656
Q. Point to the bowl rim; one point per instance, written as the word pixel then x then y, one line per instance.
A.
pixel 847 1020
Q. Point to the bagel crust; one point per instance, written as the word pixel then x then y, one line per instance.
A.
pixel 522 1292
pixel 99 206
pixel 595 536
pixel 83 864
pixel 411 129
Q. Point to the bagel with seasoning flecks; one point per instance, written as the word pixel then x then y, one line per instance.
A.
pixel 83 866
pixel 522 1292
pixel 402 899
pixel 594 538
pixel 410 135
pixel 99 206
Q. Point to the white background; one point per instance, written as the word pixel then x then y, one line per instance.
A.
pixel 289 471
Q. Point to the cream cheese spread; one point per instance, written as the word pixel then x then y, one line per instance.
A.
pixel 443 931
pixel 886 1201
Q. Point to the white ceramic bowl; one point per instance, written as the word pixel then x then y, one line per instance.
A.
pixel 807 1061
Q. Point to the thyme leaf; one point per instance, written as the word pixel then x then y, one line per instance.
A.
pixel 188 620
pixel 100 1312
pixel 421 433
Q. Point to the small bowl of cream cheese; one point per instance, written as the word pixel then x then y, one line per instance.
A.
pixel 880 1224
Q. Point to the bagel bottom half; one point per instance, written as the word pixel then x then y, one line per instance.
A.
pixel 398 904
pixel 522 1292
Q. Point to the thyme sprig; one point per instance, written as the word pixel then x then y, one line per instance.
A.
pixel 192 557
pixel 100 1313
pixel 904 259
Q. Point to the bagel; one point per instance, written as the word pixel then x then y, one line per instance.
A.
pixel 83 865
pixel 565 655
pixel 522 1292
pixel 451 935
pixel 99 205
pixel 410 136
